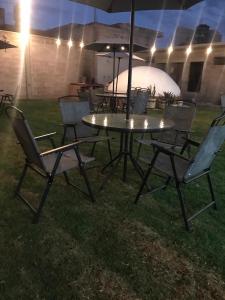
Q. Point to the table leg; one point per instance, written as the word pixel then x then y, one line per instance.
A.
pixel 116 157
pixel 126 154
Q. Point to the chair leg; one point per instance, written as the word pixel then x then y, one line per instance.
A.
pixel 143 184
pixel 139 147
pixel 167 182
pixel 93 149
pixel 183 209
pixel 66 178
pixel 17 191
pixel 64 136
pixel 42 202
pixel 211 191
pixel 83 173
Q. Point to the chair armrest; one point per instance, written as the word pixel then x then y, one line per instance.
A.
pixel 183 131
pixel 45 136
pixel 193 143
pixel 61 149
pixel 168 151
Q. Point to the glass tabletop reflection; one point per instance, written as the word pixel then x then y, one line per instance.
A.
pixel 136 123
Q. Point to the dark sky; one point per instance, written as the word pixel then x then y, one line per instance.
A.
pixel 52 13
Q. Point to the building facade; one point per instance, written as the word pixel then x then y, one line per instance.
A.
pixel 200 75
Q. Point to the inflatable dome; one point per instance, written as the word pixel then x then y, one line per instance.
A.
pixel 145 77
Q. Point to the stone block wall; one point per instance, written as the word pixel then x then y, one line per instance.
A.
pixel 48 70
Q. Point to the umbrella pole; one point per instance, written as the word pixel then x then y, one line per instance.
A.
pixel 132 21
pixel 114 68
pixel 118 69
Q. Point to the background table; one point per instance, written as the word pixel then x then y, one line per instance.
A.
pixel 112 98
pixel 136 124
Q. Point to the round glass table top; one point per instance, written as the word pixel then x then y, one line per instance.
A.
pixel 111 95
pixel 136 123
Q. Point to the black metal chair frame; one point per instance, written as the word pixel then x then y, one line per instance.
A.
pixel 6 99
pixel 66 126
pixel 48 176
pixel 179 183
pixel 185 134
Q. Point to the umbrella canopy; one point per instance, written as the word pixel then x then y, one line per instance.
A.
pixel 5 45
pixel 112 46
pixel 125 5
pixel 119 55
pixel 132 6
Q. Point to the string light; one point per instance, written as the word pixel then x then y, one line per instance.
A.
pixel 58 42
pixel 209 50
pixel 153 49
pixel 170 49
pixel 81 44
pixel 70 43
pixel 189 50
pixel 25 15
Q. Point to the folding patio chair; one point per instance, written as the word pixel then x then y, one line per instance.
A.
pixel 183 171
pixel 47 164
pixel 223 102
pixel 72 113
pixel 182 116
pixel 139 102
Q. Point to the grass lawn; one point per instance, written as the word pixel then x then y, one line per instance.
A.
pixel 112 249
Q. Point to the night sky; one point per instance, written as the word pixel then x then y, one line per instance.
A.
pixel 52 13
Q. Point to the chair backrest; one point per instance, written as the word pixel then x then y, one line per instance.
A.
pixel 208 149
pixel 72 112
pixel 182 116
pixel 223 102
pixel 140 100
pixel 25 136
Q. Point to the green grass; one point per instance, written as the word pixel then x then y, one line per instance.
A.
pixel 111 249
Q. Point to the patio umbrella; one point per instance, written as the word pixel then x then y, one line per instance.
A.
pixel 119 56
pixel 5 45
pixel 132 5
pixel 114 48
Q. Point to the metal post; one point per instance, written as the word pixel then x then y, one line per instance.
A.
pixel 114 68
pixel 117 75
pixel 130 58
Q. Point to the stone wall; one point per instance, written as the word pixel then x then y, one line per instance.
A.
pixel 48 70
pixel 213 76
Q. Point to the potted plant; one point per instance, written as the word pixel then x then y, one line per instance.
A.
pixel 152 99
pixel 166 98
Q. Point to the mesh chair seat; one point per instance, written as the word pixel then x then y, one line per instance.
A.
pixel 163 164
pixel 151 142
pixel 68 161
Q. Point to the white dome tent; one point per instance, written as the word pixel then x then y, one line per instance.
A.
pixel 144 77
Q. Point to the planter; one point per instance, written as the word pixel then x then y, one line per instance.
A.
pixel 180 102
pixel 161 103
pixel 151 103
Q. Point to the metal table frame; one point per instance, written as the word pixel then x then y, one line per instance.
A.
pixel 126 146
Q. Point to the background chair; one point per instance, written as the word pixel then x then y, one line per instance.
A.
pixel 139 101
pixel 47 164
pixel 183 171
pixel 223 102
pixel 182 116
pixel 72 113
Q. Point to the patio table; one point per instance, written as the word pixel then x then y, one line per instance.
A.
pixel 112 98
pixel 136 124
